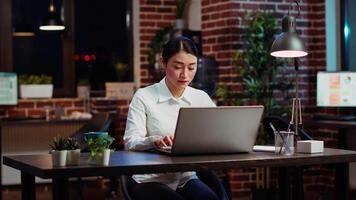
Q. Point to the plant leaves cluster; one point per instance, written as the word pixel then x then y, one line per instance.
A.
pixel 35 79
pixel 60 143
pixel 257 68
pixel 83 82
pixel 155 48
pixel 181 4
pixel 98 144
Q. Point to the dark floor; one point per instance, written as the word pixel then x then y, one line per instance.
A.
pixel 100 190
pixel 92 190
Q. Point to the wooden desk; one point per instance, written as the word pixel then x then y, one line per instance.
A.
pixel 342 126
pixel 329 124
pixel 346 139
pixel 122 162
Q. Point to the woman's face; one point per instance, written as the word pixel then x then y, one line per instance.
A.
pixel 180 69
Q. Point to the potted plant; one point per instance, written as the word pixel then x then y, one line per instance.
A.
pixel 83 88
pixel 99 149
pixel 181 4
pixel 73 151
pixel 58 151
pixel 35 86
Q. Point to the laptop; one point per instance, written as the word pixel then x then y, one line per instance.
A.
pixel 214 130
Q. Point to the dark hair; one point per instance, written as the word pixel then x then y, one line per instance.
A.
pixel 176 45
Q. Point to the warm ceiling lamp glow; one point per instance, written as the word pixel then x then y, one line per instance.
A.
pixel 52 22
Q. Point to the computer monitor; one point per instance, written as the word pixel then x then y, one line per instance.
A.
pixel 336 89
pixel 8 88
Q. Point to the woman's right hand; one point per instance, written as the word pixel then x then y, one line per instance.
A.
pixel 164 142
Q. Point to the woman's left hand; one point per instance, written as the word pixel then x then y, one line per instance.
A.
pixel 164 142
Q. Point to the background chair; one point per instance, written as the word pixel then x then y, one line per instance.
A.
pixel 101 121
pixel 207 176
pixel 282 125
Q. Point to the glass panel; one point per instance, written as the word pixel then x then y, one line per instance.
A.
pixel 102 42
pixel 41 53
pixel 349 35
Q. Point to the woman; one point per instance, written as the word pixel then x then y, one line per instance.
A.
pixel 152 118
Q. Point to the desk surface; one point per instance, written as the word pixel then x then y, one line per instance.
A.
pixel 123 162
pixel 329 124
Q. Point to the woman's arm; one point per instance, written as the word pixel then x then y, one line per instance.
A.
pixel 135 137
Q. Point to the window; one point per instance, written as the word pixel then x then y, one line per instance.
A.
pixel 96 44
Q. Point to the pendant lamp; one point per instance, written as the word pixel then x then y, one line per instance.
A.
pixel 52 22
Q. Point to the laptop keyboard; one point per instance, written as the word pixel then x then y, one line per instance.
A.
pixel 166 149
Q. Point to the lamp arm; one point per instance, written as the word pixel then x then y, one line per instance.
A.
pixel 297 2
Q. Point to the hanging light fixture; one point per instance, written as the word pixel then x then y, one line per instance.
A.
pixel 53 21
pixel 22 27
pixel 289 45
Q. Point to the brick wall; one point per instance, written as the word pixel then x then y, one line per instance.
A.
pixel 35 108
pixel 154 15
pixel 222 30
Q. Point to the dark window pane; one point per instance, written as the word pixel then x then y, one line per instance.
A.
pixel 41 53
pixel 101 42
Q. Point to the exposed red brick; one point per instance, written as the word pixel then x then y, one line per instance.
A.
pixel 25 104
pixel 41 104
pixel 63 103
pixel 16 113
pixel 37 113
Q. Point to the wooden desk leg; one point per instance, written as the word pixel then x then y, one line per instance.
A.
pixel 28 187
pixel 283 183
pixel 342 181
pixel 60 189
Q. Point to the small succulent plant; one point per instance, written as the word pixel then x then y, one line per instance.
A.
pixel 59 143
pixel 72 144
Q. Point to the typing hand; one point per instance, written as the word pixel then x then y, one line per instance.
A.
pixel 164 142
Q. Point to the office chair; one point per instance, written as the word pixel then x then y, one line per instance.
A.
pixel 293 182
pixel 282 125
pixel 207 176
pixel 101 121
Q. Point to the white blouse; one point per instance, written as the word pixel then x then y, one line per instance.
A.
pixel 153 114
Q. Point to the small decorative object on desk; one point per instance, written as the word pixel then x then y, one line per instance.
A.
pixel 73 152
pixel 283 141
pixel 58 151
pixel 99 148
pixel 310 146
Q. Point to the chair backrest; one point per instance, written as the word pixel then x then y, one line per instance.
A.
pixel 207 176
pixel 124 182
pixel 100 122
pixel 282 124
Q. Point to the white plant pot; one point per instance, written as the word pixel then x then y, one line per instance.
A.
pixel 73 157
pixel 103 158
pixel 180 24
pixel 36 91
pixel 59 158
pixel 83 91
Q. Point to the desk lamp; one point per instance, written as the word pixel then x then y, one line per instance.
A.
pixel 289 45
